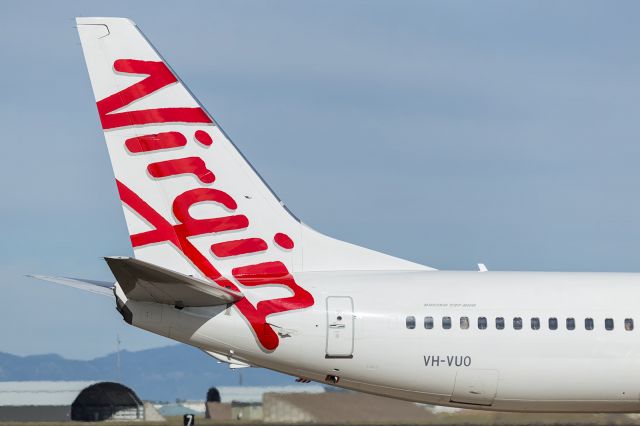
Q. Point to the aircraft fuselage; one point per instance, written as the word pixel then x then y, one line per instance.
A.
pixel 367 330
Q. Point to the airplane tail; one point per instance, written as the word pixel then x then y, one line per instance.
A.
pixel 192 202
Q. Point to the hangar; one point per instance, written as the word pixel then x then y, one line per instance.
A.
pixel 60 400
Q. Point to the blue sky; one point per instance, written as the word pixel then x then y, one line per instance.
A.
pixel 448 133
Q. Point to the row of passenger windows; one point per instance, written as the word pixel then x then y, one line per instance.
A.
pixel 517 323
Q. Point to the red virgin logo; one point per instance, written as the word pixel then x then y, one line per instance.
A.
pixel 256 274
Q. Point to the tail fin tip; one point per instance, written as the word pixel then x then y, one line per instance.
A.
pixel 95 20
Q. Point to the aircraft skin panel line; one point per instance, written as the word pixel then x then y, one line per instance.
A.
pixel 221 264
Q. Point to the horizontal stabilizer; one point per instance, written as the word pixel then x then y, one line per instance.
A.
pixel 104 288
pixel 151 283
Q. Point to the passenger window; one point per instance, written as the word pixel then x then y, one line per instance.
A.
pixel 517 323
pixel 628 324
pixel 588 323
pixel 608 324
pixel 482 323
pixel 553 323
pixel 500 323
pixel 428 323
pixel 446 323
pixel 571 324
pixel 411 322
pixel 535 323
pixel 464 323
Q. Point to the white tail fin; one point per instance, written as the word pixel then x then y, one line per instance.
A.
pixel 190 198
pixel 192 203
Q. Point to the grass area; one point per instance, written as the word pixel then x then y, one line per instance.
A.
pixel 171 421
pixel 470 417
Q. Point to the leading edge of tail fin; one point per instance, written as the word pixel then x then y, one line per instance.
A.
pixel 192 202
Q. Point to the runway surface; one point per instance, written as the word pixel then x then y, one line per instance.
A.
pixel 466 417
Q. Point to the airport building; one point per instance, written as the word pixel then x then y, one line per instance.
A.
pixel 245 402
pixel 98 401
pixel 308 404
pixel 61 400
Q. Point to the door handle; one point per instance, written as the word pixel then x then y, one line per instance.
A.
pixel 336 325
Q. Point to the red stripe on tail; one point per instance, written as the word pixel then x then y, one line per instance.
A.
pixel 239 247
pixel 158 76
pixel 155 142
pixel 180 166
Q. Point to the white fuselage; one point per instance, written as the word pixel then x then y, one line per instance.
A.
pixel 372 349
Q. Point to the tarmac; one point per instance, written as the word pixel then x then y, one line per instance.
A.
pixel 467 417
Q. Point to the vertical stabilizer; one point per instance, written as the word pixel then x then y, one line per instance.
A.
pixel 184 185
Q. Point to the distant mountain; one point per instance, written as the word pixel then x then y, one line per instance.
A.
pixel 160 374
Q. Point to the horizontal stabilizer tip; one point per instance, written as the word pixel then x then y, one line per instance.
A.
pixel 104 288
pixel 147 282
